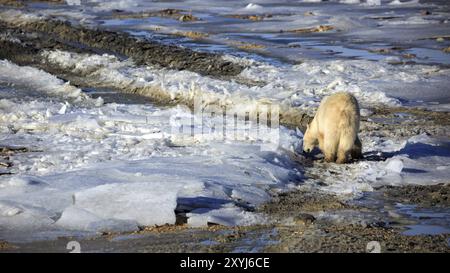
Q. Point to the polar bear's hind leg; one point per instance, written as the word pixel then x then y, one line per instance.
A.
pixel 346 143
pixel 330 146
pixel 357 149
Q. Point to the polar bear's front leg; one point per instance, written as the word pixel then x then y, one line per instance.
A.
pixel 320 140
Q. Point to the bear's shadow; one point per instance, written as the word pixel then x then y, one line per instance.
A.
pixel 412 150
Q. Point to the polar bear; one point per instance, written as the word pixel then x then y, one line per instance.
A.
pixel 335 129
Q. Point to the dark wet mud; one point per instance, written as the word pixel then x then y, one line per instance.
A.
pixel 297 225
pixel 143 52
pixel 423 196
pixel 407 121
pixel 344 238
pixel 177 14
pixel 305 201
pixel 23 3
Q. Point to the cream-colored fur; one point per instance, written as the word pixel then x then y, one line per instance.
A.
pixel 335 129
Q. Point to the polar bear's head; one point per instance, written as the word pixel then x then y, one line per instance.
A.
pixel 309 140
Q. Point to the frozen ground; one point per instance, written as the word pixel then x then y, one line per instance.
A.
pixel 83 153
pixel 357 26
pixel 387 32
pixel 91 166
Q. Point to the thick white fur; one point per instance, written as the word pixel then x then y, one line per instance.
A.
pixel 335 128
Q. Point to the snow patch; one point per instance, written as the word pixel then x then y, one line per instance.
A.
pixel 19 17
pixel 398 2
pixel 252 6
pixel 295 86
pixel 41 81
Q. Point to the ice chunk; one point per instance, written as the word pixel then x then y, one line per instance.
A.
pixel 365 112
pixel 227 216
pixel 81 219
pixel 146 203
pixel 252 6
pixel 73 2
pixel 63 109
pixel 9 210
pixel 373 2
pixel 22 182
pixel 349 1
pixel 394 165
pixel 39 80
pixel 398 2
pixel 21 218
pixel 422 138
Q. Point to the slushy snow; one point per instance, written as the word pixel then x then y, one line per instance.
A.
pixel 289 86
pixel 95 167
pixel 100 167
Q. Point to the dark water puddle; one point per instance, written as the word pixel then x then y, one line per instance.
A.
pixel 135 22
pixel 426 230
pixel 430 221
pixel 111 96
pixel 256 242
pixel 398 118
pixel 342 51
pixel 313 45
pixel 427 55
pixel 205 45
pixel 413 219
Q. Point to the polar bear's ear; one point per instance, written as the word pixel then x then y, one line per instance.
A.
pixel 307 126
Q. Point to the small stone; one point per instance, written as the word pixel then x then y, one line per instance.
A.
pixel 409 55
pixel 187 18
pixel 304 219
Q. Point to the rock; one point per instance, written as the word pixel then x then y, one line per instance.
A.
pixel 409 55
pixel 187 18
pixel 304 219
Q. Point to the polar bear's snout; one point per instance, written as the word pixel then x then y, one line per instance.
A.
pixel 308 149
pixel 309 141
